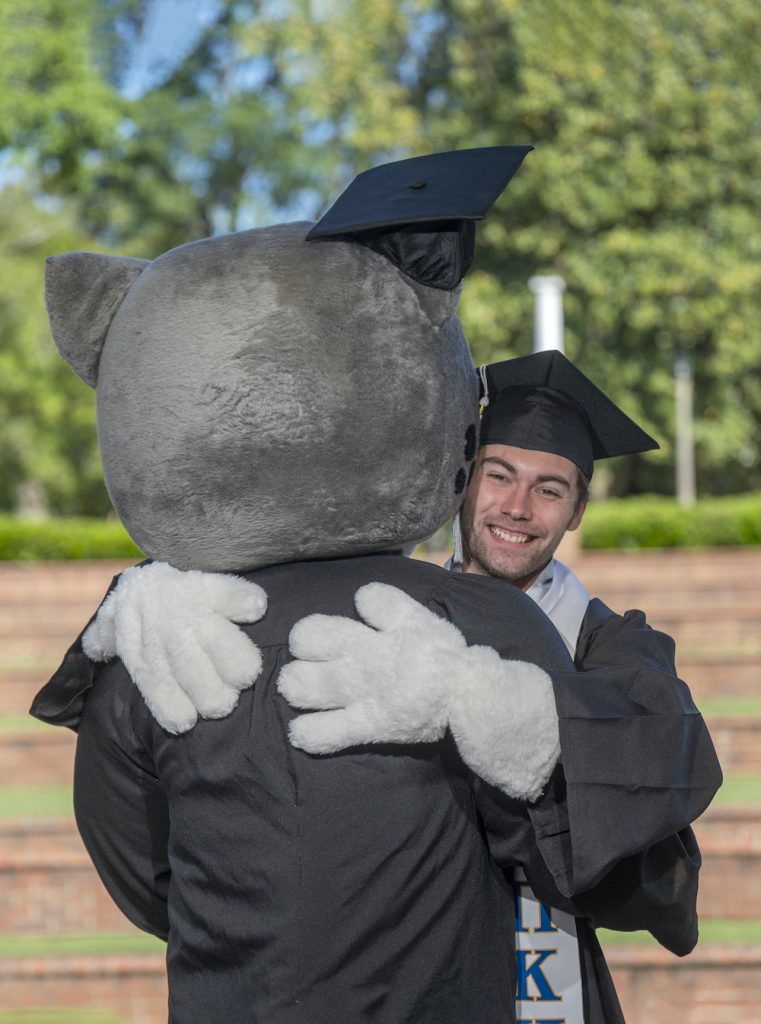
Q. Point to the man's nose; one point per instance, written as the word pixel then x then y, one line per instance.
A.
pixel 517 504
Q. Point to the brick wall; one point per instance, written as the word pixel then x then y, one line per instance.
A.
pixel 134 987
pixel 712 986
pixel 48 886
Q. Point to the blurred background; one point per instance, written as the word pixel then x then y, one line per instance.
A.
pixel 131 126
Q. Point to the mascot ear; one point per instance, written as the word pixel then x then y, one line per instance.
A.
pixel 83 290
pixel 420 213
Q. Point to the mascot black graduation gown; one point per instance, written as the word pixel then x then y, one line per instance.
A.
pixel 295 410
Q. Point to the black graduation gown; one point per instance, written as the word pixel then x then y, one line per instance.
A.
pixel 638 653
pixel 367 886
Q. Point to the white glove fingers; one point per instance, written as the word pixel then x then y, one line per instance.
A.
pixel 233 597
pixel 325 637
pixel 308 685
pixel 168 703
pixel 392 610
pixel 386 607
pixel 234 656
pixel 505 723
pixel 191 666
pixel 99 639
pixel 325 732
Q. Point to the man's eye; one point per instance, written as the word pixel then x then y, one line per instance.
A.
pixel 548 492
pixel 500 477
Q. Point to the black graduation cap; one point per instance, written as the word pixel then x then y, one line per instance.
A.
pixel 420 213
pixel 543 403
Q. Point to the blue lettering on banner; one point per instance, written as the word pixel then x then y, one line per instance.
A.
pixel 534 974
pixel 535 1020
pixel 545 916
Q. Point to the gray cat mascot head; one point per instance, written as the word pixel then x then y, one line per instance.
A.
pixel 284 393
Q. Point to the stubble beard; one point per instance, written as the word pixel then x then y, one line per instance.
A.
pixel 490 563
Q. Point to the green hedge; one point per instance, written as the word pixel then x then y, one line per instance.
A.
pixel 652 521
pixel 22 540
pixel 648 521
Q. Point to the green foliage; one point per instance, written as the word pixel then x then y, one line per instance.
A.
pixel 642 191
pixel 48 438
pixel 55 103
pixel 62 539
pixel 652 521
pixel 639 194
pixel 645 521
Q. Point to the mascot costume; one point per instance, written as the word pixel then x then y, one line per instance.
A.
pixel 297 404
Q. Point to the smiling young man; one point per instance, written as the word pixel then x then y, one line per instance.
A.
pixel 518 508
pixel 543 426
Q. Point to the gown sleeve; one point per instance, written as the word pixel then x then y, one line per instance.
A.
pixel 62 699
pixel 638 766
pixel 120 808
pixel 638 761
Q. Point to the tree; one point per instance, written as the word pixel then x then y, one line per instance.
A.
pixel 48 444
pixel 57 110
pixel 642 193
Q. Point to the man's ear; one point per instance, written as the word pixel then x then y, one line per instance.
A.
pixel 578 515
pixel 83 290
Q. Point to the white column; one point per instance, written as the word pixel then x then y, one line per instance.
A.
pixel 685 444
pixel 548 312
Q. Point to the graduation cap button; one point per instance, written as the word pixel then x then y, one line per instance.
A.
pixel 417 184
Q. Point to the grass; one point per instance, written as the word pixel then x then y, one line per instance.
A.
pixel 731 706
pixel 739 789
pixel 729 931
pixel 35 802
pixel 59 1017
pixel 30 662
pixel 56 801
pixel 20 723
pixel 13 947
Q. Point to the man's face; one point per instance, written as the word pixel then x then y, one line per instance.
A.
pixel 517 508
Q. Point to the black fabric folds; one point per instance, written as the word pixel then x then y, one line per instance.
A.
pixel 369 885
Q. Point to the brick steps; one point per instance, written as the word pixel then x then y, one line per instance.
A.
pixel 46 756
pixel 132 986
pixel 716 623
pixel 709 676
pixel 730 879
pixel 711 985
pixel 737 739
pixel 40 860
pixel 719 675
pixel 18 686
pixel 710 602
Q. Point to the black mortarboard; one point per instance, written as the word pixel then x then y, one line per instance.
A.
pixel 420 213
pixel 543 403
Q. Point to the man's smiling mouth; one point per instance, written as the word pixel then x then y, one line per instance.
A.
pixel 508 535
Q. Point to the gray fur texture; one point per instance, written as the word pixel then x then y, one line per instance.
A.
pixel 263 399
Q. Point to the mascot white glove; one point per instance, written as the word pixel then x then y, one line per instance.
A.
pixel 172 631
pixel 408 675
